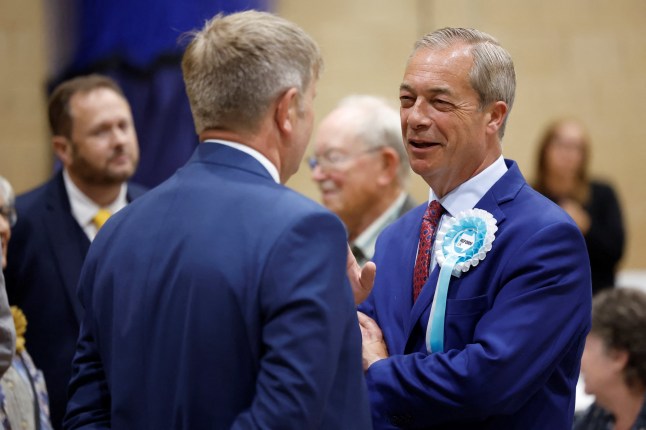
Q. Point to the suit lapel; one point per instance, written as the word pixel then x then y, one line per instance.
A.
pixel 424 300
pixel 409 254
pixel 68 242
pixel 502 191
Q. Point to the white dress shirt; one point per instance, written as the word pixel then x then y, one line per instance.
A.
pixel 271 168
pixel 84 209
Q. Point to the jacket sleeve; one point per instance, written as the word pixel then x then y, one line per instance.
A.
pixel 307 307
pixel 539 316
pixel 89 398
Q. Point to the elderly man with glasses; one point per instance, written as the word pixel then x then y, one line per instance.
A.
pixel 361 168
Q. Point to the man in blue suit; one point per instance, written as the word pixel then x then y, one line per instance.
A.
pixel 495 343
pixel 219 299
pixel 93 136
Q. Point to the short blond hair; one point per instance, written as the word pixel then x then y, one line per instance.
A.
pixel 237 65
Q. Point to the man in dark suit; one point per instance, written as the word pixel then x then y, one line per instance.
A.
pixel 220 299
pixel 94 138
pixel 361 168
pixel 492 338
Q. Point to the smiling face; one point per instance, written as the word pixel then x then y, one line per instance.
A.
pixel 347 172
pixel 449 137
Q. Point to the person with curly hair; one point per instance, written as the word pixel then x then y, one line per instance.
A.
pixel 614 362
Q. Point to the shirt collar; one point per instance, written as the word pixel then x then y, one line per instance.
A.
pixel 268 165
pixel 367 239
pixel 469 193
pixel 83 208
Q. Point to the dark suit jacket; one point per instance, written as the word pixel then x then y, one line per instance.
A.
pixel 515 324
pixel 233 310
pixel 45 256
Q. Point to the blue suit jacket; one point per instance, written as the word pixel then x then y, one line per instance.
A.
pixel 45 257
pixel 219 300
pixel 515 324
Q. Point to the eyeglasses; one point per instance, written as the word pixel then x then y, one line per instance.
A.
pixel 334 159
pixel 8 212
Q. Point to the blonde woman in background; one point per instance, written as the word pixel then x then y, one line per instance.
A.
pixel 562 176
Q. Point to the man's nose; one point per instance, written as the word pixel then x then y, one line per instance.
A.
pixel 318 174
pixel 419 115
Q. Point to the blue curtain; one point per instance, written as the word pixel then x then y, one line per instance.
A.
pixel 139 44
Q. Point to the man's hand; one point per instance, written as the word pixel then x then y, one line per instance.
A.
pixel 373 345
pixel 361 280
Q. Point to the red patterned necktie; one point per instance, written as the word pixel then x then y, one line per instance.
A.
pixel 431 218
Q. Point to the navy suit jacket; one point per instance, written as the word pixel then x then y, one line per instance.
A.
pixel 219 300
pixel 514 330
pixel 45 257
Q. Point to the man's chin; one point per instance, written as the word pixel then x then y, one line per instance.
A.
pixel 120 175
pixel 108 180
pixel 333 205
pixel 328 201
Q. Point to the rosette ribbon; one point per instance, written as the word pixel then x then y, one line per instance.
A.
pixel 461 243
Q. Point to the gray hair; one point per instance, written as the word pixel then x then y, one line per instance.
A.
pixel 6 192
pixel 492 75
pixel 237 65
pixel 378 124
pixel 619 319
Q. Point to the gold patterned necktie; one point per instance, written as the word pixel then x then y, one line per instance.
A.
pixel 101 217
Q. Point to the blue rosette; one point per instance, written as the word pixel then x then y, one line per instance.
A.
pixel 461 243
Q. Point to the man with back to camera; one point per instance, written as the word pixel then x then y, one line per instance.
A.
pixel 234 310
pixel 94 138
pixel 361 168
pixel 492 338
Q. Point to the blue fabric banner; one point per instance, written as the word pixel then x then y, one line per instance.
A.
pixel 138 43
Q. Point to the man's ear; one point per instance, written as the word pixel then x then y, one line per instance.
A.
pixel 389 160
pixel 286 111
pixel 619 358
pixel 497 114
pixel 63 149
